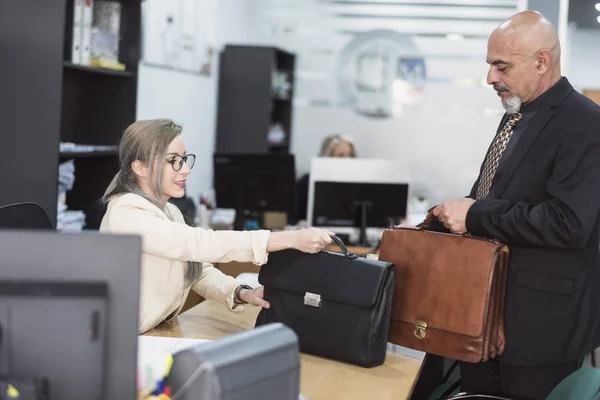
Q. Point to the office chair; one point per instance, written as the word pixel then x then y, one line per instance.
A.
pixel 583 384
pixel 25 215
pixel 469 396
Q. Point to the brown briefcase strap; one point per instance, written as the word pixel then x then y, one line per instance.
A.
pixel 429 218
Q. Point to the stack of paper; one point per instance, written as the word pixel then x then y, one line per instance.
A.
pixel 152 353
pixel 67 220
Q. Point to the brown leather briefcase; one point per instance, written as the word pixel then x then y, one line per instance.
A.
pixel 449 293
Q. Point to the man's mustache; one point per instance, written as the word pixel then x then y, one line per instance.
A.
pixel 499 88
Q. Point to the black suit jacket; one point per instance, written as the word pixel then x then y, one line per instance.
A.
pixel 546 207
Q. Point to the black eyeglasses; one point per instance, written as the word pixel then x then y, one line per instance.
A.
pixel 177 161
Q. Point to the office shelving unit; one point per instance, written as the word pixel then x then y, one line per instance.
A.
pixel 256 88
pixel 46 99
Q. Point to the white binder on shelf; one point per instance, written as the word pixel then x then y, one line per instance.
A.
pixel 86 31
pixel 77 23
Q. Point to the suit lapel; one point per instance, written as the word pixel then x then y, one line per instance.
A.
pixel 555 97
pixel 533 129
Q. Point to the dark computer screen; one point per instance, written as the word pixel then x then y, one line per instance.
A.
pixel 69 310
pixel 256 182
pixel 339 203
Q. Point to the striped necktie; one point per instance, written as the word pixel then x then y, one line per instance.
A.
pixel 495 154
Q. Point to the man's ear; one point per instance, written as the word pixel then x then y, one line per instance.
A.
pixel 139 169
pixel 544 61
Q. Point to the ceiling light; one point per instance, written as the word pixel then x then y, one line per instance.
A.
pixel 598 6
pixel 455 37
pixel 598 19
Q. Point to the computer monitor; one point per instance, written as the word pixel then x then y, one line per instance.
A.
pixel 69 312
pixel 262 363
pixel 255 183
pixel 358 193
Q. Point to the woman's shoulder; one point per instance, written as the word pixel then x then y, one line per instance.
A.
pixel 175 212
pixel 126 209
pixel 128 199
pixel 131 201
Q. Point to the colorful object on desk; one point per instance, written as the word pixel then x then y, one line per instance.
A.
pixel 159 397
pixel 251 225
pixel 163 391
pixel 11 392
pixel 207 202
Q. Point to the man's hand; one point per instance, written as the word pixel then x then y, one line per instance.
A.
pixel 254 297
pixel 453 214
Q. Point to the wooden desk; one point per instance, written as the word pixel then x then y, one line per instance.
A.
pixel 320 378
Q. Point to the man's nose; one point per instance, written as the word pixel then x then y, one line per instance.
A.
pixel 492 77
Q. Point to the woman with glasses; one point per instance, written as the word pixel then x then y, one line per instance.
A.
pixel 176 257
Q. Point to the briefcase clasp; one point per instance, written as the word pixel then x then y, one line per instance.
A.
pixel 312 299
pixel 420 329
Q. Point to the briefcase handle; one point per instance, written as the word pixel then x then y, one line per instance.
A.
pixel 343 247
pixel 428 219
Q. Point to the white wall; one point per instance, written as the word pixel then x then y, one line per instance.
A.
pixel 584 58
pixel 444 138
pixel 190 100
pixel 445 135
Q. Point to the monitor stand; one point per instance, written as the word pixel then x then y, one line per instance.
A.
pixel 240 219
pixel 362 223
pixel 242 214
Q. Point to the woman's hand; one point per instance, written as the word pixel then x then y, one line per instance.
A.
pixel 312 240
pixel 254 297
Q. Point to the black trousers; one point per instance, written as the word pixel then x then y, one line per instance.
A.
pixel 519 383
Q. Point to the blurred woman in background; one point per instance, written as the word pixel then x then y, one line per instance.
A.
pixel 332 146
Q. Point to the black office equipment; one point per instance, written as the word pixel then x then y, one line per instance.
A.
pixel 254 183
pixel 69 312
pixel 362 205
pixel 56 331
pixel 263 363
pixel 24 216
pixel 339 305
pixel 28 388
pixel 256 89
pixel 46 99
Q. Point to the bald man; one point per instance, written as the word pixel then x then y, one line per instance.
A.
pixel 539 192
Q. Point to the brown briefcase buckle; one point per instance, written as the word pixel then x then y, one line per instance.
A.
pixel 420 329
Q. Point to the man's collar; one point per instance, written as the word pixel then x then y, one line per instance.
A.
pixel 551 97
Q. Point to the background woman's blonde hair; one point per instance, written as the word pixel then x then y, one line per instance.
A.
pixel 328 145
pixel 146 141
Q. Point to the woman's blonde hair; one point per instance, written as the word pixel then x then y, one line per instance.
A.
pixel 328 145
pixel 146 141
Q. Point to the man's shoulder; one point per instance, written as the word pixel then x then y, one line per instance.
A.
pixel 576 104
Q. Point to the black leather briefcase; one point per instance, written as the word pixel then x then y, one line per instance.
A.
pixel 338 304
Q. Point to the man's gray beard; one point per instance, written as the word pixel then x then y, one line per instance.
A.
pixel 512 105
